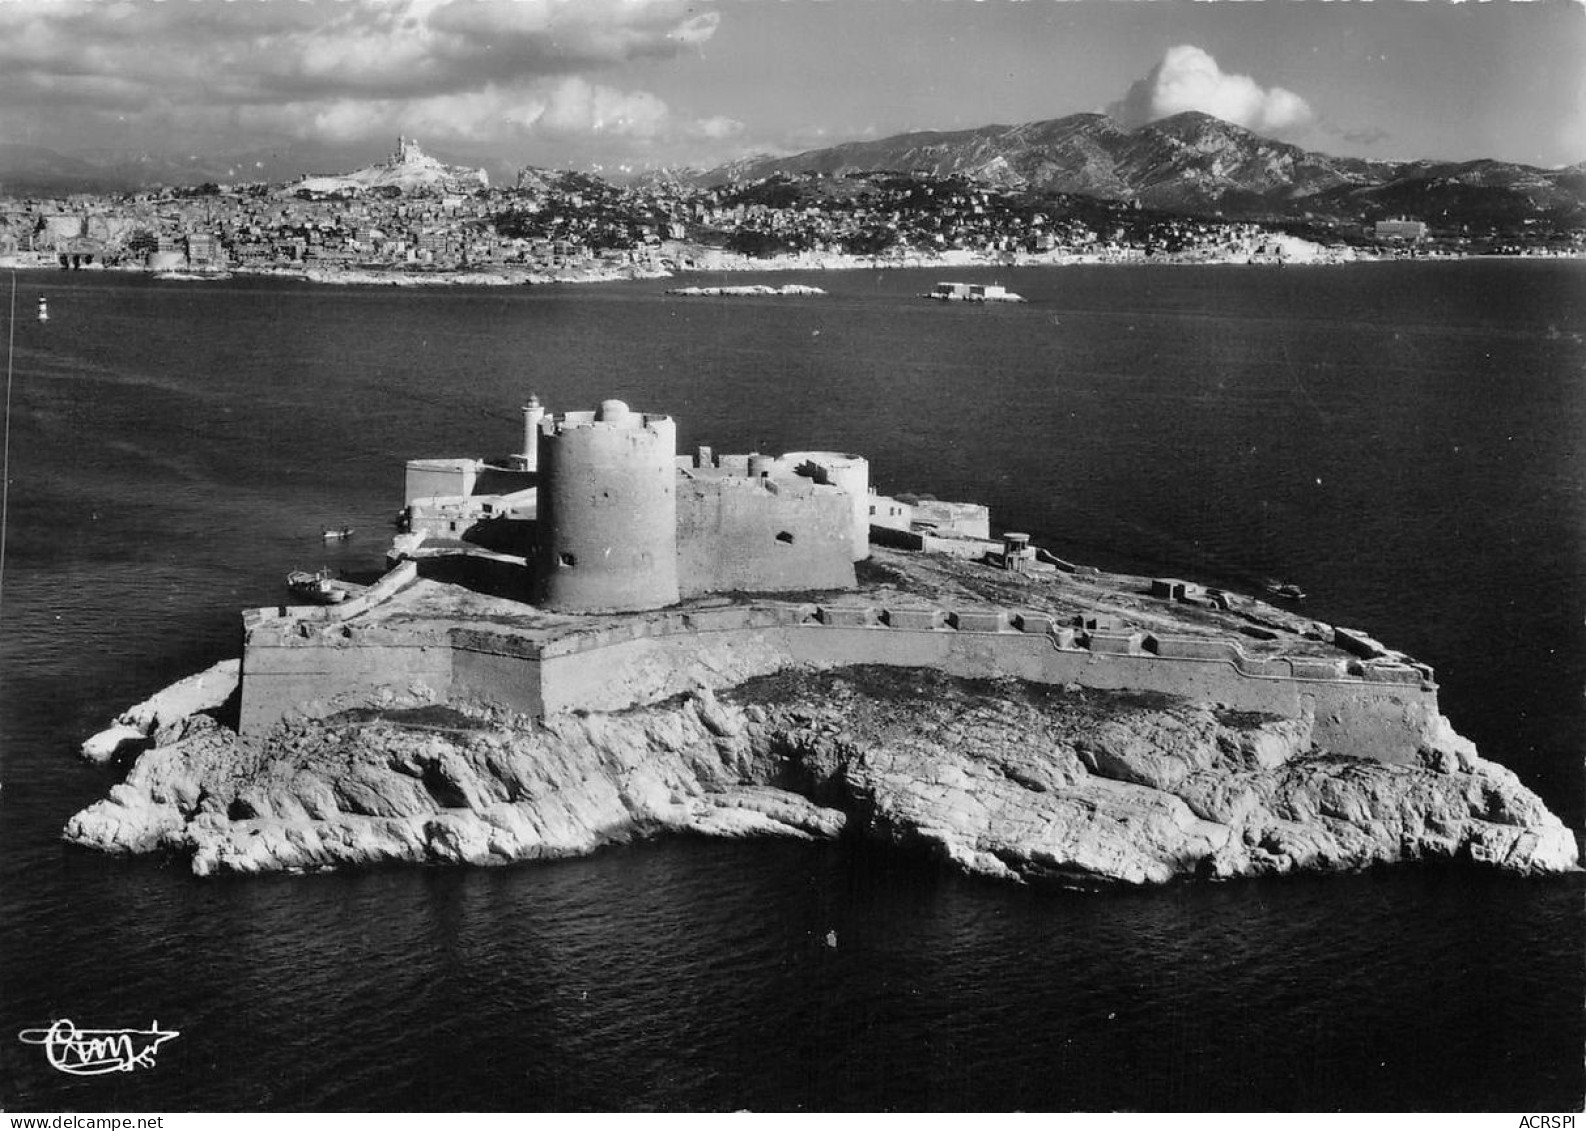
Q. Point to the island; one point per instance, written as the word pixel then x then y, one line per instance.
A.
pixel 752 290
pixel 595 639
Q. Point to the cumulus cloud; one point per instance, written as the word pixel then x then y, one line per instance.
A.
pixel 464 69
pixel 1187 78
pixel 572 115
pixel 383 47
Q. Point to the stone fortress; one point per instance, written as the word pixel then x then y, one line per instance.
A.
pixel 595 639
pixel 610 519
pixel 626 574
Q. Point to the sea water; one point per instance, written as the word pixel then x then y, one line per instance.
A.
pixel 1403 441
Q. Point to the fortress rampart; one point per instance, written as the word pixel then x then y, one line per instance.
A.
pixel 1380 708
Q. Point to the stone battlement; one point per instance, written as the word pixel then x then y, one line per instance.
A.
pixel 612 414
pixel 1064 638
pixel 316 666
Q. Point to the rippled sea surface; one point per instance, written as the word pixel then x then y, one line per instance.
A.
pixel 1404 441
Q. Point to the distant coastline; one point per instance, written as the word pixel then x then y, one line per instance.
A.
pixel 682 261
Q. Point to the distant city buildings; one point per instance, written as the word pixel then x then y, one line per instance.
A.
pixel 412 213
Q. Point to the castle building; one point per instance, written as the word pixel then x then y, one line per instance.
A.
pixel 609 518
pixel 626 524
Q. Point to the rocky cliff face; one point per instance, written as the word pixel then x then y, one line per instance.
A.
pixel 1007 779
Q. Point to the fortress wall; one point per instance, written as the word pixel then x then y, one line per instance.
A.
pixel 443 516
pixel 287 671
pixel 736 535
pixel 1386 721
pixel 312 680
pixel 851 473
pixel 495 480
pixel 612 666
pixel 1033 656
pixel 498 678
pixel 896 538
pixel 882 512
pixel 967 520
pixel 428 478
pixel 642 670
pixel 1371 720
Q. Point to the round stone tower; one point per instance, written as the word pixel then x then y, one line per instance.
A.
pixel 607 511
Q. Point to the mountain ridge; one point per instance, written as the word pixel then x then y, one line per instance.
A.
pixel 1190 162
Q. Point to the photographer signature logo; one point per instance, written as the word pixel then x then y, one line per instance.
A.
pixel 95 1052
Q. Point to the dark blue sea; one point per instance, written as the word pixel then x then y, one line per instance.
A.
pixel 1404 441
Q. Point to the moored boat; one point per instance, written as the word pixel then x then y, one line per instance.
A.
pixel 339 533
pixel 318 586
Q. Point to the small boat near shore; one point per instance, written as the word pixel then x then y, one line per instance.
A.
pixel 973 292
pixel 1288 591
pixel 339 533
pixel 317 586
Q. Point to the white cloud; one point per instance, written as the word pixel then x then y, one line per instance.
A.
pixel 1187 78
pixel 576 106
pixel 340 69
pixel 571 114
pixel 391 47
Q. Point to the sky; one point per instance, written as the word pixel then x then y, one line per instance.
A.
pixel 634 83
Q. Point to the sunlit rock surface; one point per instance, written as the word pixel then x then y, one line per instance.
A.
pixel 1003 779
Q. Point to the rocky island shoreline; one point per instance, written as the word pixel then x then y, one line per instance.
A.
pixel 744 645
pixel 1003 777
